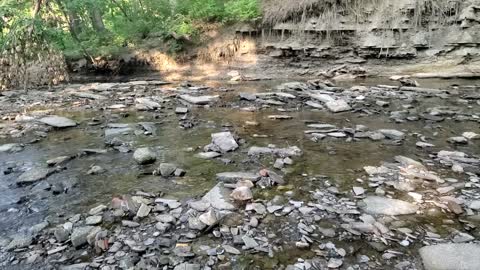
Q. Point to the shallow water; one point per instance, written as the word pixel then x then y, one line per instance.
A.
pixel 338 161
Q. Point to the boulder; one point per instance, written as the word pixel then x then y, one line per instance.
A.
pixel 167 169
pixel 144 156
pixel 200 100
pixel 337 106
pixel 451 256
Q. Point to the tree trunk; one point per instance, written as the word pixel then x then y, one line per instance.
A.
pixel 74 23
pixel 97 20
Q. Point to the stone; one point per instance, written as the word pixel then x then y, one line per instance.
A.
pixel 144 156
pixel 218 198
pixel 233 177
pixel 334 263
pixel 167 169
pixel 58 160
pixel 130 224
pixel 11 147
pixel 242 194
pixel 424 145
pixel 187 266
pixel 94 170
pixel 33 175
pixel 475 205
pixel 97 210
pixel 200 100
pixel 166 218
pixel 458 140
pixel 194 223
pixel 79 235
pixel 209 218
pixel 337 106
pixel 249 242
pixel 451 256
pixel 358 191
pixel 143 210
pixel 61 234
pixel 385 206
pixel 77 266
pixel 247 96
pixel 146 104
pixel 471 135
pixel 93 220
pixel 181 110
pixel 58 121
pixel 392 134
pixel 224 141
pixel 208 155
pixel 231 250
pixel 19 241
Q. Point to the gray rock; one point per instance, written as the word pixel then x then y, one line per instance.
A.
pixel 78 266
pixel 200 100
pixel 109 132
pixel 93 220
pixel 97 210
pixel 282 152
pixel 233 177
pixel 181 110
pixel 337 106
pixel 392 134
pixel 32 175
pixel 194 223
pixel 187 266
pixel 130 224
pixel 231 250
pixel 224 141
pixel 218 198
pixel 144 156
pixel 58 121
pixel 61 234
pixel 208 155
pixel 249 242
pixel 248 96
pixel 79 235
pixel 167 169
pixel 143 210
pixel 209 218
pixel 451 256
pixel 385 206
pixel 458 140
pixel 146 104
pixel 11 147
pixel 19 241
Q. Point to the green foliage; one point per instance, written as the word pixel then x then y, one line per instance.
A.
pixel 70 24
pixel 242 10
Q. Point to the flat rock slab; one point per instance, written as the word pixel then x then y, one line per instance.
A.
pixel 200 100
pixel 58 121
pixel 451 256
pixel 233 177
pixel 219 197
pixel 385 206
pixel 33 175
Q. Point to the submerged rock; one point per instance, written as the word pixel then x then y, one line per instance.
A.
pixel 392 134
pixel 167 169
pixel 33 175
pixel 233 177
pixel 451 256
pixel 58 121
pixel 11 147
pixel 385 206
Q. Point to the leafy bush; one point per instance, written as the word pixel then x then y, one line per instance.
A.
pixel 242 10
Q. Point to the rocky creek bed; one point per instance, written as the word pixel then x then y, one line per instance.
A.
pixel 376 174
